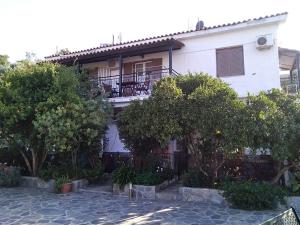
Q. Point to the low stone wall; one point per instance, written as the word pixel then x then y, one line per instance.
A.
pixel 121 191
pixel 79 184
pixel 149 192
pixel 144 192
pixel 36 182
pixel 204 195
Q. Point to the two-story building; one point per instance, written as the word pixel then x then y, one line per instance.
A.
pixel 244 54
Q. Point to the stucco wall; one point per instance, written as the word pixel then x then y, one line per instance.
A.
pixel 113 142
pixel 199 55
pixel 261 66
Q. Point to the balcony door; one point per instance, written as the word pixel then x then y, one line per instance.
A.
pixel 141 69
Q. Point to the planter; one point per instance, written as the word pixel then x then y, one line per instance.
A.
pixel 205 195
pixel 149 192
pixel 66 188
pixel 121 190
pixel 79 184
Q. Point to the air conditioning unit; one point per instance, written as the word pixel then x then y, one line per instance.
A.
pixel 264 41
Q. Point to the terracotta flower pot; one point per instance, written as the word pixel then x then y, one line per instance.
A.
pixel 66 188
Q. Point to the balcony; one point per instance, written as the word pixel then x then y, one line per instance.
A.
pixel 133 84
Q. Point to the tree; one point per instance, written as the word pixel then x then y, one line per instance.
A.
pixel 202 111
pixel 4 63
pixel 211 120
pixel 72 127
pixel 140 122
pixel 274 125
pixel 31 97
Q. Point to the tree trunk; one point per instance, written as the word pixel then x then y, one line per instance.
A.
pixel 34 163
pixel 26 162
pixel 282 171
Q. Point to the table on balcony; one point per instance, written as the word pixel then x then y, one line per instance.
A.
pixel 128 88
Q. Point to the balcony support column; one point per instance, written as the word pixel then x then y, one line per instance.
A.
pixel 170 60
pixel 120 74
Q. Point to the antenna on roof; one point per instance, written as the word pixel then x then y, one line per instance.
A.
pixel 120 37
pixel 113 39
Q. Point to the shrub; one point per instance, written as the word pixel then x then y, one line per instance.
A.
pixel 166 174
pixel 55 172
pixel 253 196
pixel 195 178
pixel 124 175
pixel 148 178
pixel 9 176
pixel 93 175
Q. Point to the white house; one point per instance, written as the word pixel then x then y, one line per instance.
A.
pixel 244 54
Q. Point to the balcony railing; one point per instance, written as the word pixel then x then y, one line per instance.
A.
pixel 133 84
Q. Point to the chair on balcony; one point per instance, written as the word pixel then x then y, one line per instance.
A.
pixel 108 89
pixel 143 87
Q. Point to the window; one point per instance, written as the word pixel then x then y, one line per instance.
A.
pixel 230 61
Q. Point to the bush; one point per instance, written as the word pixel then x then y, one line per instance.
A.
pixel 93 175
pixel 148 178
pixel 195 178
pixel 9 176
pixel 253 196
pixel 124 175
pixel 55 172
pixel 166 174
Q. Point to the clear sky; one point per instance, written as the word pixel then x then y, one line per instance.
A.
pixel 42 26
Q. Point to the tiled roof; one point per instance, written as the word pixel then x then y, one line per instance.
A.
pixel 144 41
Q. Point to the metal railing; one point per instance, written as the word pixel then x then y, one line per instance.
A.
pixel 133 84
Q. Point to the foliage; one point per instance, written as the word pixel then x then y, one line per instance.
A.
pixel 194 178
pixel 93 175
pixel 9 176
pixel 196 108
pixel 253 196
pixel 274 125
pixel 4 63
pixel 154 177
pixel 51 118
pixel 124 175
pixel 295 186
pixel 147 178
pixel 59 182
pixel 140 132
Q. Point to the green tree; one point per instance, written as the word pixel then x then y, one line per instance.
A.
pixel 274 125
pixel 30 97
pixel 202 111
pixel 4 63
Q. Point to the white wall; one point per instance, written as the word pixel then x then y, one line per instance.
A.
pixel 261 66
pixel 114 144
pixel 199 55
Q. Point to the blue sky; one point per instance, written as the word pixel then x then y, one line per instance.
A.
pixel 42 26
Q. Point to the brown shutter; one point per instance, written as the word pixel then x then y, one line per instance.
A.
pixel 93 73
pixel 230 61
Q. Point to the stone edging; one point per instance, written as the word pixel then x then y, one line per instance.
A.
pixel 205 195
pixel 36 182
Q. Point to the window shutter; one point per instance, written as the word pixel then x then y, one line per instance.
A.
pixel 230 61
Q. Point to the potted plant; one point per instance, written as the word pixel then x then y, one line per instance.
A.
pixel 63 185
